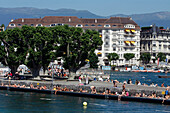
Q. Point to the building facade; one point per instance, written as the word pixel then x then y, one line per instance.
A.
pixel 155 40
pixel 1 29
pixel 119 34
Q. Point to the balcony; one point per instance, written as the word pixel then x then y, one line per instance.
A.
pixel 107 39
pixel 154 48
pixel 129 39
pixel 114 45
pixel 107 45
pixel 129 46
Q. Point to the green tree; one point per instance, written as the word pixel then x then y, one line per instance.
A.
pixel 129 56
pixel 2 25
pixel 13 51
pixel 145 57
pixel 112 57
pixel 77 46
pixel 161 57
pixel 40 44
pixel 93 58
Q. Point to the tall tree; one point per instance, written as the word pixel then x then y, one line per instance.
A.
pixel 145 57
pixel 13 51
pixel 40 44
pixel 112 57
pixel 93 60
pixel 161 57
pixel 77 45
pixel 129 56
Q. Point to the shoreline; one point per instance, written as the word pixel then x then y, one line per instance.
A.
pixel 88 95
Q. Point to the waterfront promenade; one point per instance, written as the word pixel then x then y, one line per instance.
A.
pixel 102 86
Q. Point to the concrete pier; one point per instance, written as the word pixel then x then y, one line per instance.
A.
pixel 100 86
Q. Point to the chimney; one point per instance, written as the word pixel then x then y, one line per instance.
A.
pixel 69 19
pixel 95 20
pixel 22 20
pixel 12 20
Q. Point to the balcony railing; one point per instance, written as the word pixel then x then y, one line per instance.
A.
pixel 107 45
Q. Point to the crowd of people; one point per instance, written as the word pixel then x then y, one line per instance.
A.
pixel 92 90
pixel 58 71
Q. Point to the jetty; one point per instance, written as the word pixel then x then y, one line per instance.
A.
pixel 100 87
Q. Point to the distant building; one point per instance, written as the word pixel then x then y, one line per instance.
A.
pixel 155 40
pixel 119 34
pixel 1 29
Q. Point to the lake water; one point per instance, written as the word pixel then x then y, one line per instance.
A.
pixel 147 78
pixel 19 102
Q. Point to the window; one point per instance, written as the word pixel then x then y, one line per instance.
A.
pixel 99 54
pixel 99 25
pixel 114 49
pixel 86 25
pixel 107 25
pixel 99 48
pixel 93 25
pixel 52 24
pixel 106 54
pixel 59 24
pixel 32 24
pixel 79 25
pixel 129 26
pixel 107 38
pixel 39 24
pixel 19 24
pixel 12 25
pixel 114 25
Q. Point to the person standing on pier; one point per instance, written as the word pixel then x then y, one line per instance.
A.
pixel 79 78
pixel 123 87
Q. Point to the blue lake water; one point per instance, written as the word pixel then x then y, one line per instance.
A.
pixel 19 102
pixel 147 78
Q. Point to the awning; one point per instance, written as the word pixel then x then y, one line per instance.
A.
pixel 99 53
pixel 132 42
pixel 127 42
pixel 87 60
pixel 133 30
pixel 127 30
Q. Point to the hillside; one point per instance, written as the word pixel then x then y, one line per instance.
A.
pixel 6 14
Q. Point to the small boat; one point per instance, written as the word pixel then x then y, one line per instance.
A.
pixel 160 76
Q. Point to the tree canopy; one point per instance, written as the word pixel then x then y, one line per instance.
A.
pixel 161 57
pixel 77 45
pixel 38 46
pixel 93 60
pixel 112 57
pixel 12 48
pixel 129 56
pixel 145 57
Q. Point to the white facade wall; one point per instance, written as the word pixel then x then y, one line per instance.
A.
pixel 114 42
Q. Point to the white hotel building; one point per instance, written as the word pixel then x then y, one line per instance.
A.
pixel 119 34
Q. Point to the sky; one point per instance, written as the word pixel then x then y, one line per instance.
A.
pixel 99 7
